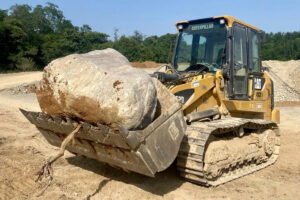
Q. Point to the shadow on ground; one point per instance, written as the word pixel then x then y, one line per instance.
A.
pixel 163 183
pixel 100 186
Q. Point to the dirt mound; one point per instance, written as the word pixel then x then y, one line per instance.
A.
pixel 25 88
pixel 286 78
pixel 16 79
pixel 146 64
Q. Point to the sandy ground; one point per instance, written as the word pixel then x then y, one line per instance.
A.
pixel 14 79
pixel 23 150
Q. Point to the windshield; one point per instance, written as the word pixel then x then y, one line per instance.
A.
pixel 201 45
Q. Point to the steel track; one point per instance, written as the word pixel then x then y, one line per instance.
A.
pixel 190 160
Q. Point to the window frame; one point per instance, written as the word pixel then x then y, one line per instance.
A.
pixel 244 96
pixel 174 62
pixel 249 72
pixel 246 46
pixel 259 73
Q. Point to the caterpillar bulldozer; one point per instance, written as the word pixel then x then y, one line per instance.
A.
pixel 218 123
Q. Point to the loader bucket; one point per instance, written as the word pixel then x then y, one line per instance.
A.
pixel 146 151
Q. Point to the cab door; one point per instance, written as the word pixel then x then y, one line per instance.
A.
pixel 256 79
pixel 239 69
pixel 246 78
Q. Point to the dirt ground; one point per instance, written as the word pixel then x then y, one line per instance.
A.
pixel 146 64
pixel 23 151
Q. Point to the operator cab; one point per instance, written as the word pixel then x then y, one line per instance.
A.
pixel 220 43
pixel 201 44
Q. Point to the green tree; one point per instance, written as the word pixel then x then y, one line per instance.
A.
pixel 281 46
pixel 12 37
pixel 3 15
pixel 31 37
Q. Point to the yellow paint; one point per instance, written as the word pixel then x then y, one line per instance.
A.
pixel 181 22
pixel 211 92
pixel 246 106
pixel 276 115
pixel 230 20
pixel 205 84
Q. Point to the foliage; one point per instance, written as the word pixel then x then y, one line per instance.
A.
pixel 31 37
pixel 281 46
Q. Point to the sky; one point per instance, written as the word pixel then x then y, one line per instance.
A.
pixel 157 17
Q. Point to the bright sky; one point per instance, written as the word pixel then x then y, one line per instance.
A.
pixel 157 17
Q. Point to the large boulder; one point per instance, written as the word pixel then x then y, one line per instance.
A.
pixel 99 87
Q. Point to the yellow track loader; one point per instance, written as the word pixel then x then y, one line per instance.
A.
pixel 219 122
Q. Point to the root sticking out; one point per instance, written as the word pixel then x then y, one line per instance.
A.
pixel 47 171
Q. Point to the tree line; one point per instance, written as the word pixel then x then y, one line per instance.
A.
pixel 281 46
pixel 30 37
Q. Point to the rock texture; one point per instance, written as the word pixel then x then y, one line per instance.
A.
pixel 101 87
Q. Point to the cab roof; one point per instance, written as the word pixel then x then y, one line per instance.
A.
pixel 230 20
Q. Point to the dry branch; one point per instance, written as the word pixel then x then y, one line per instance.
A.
pixel 47 171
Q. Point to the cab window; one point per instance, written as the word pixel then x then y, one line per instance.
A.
pixel 253 45
pixel 240 78
pixel 240 50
